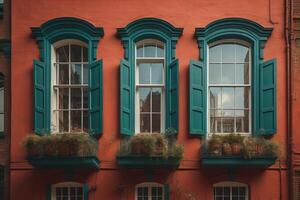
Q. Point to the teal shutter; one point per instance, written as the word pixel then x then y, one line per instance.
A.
pixel 127 99
pixel 267 98
pixel 85 192
pixel 40 95
pixel 172 95
pixel 95 97
pixel 48 192
pixel 166 191
pixel 197 98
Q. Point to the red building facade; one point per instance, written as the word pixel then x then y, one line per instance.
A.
pixel 119 68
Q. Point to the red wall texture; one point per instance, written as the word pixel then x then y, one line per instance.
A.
pixel 110 182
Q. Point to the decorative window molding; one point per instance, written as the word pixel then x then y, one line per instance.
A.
pixel 263 74
pixel 148 28
pixel 46 35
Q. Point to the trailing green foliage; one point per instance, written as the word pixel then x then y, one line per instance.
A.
pixel 61 145
pixel 155 144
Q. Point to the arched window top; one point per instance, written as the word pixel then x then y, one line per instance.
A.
pixel 61 184
pixel 230 183
pixel 66 42
pixel 149 184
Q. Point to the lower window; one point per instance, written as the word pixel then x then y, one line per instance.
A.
pixel 149 191
pixel 230 191
pixel 67 191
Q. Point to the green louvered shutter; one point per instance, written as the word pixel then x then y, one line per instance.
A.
pixel 85 192
pixel 95 97
pixel 197 98
pixel 40 95
pixel 126 99
pixel 172 95
pixel 48 192
pixel 267 98
pixel 166 191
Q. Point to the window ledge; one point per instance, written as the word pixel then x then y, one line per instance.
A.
pixel 237 161
pixel 73 162
pixel 132 161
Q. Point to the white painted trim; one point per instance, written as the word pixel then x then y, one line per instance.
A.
pixel 65 184
pixel 232 184
pixel 149 185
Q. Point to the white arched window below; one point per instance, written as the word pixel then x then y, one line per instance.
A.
pixel 230 191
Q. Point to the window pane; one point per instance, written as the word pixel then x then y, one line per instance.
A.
pixel 215 54
pixel 215 97
pixel 145 99
pixel 242 73
pixel 144 73
pixel 215 73
pixel 75 97
pixel 242 54
pixel 156 73
pixel 85 73
pixel 76 121
pixel 85 121
pixel 63 100
pixel 1 122
pixel 226 191
pixel 62 54
pixel 228 98
pixel 1 99
pixel 75 53
pixel 241 97
pixel 75 73
pixel 63 121
pixel 160 51
pixel 63 74
pixel 85 97
pixel 228 121
pixel 139 52
pixel 215 121
pixel 228 73
pixel 149 50
pixel 156 99
pixel 242 121
pixel 228 53
pixel 155 123
pixel 85 54
pixel 145 123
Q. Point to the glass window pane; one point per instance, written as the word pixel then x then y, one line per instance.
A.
pixel 1 122
pixel 242 121
pixel 215 97
pixel 85 97
pixel 144 73
pixel 75 73
pixel 62 54
pixel 85 121
pixel 228 121
pixel 227 191
pixel 85 54
pixel 73 191
pixel 63 121
pixel 160 51
pixel 145 123
pixel 241 97
pixel 76 121
pixel 219 191
pixel 75 53
pixel 228 53
pixel 228 73
pixel 139 52
pixel 156 99
pixel 149 50
pixel 215 73
pixel 155 123
pixel 1 99
pixel 63 74
pixel 215 121
pixel 215 54
pixel 63 100
pixel 156 73
pixel 85 73
pixel 242 54
pixel 228 97
pixel 145 99
pixel 76 97
pixel 242 73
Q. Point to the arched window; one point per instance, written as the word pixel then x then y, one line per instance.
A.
pixel 70 86
pixel 147 191
pixel 229 86
pixel 150 86
pixel 67 191
pixel 230 191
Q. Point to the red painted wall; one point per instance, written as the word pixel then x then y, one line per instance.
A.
pixel 188 14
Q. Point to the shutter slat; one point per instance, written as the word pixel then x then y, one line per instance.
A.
pixel 197 98
pixel 172 95
pixel 85 192
pixel 267 98
pixel 95 97
pixel 126 98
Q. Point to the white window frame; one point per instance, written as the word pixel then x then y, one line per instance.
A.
pixel 149 185
pixel 137 85
pixel 65 184
pixel 231 184
pixel 239 42
pixel 54 95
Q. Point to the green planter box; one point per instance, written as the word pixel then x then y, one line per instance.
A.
pixel 130 161
pixel 74 162
pixel 235 161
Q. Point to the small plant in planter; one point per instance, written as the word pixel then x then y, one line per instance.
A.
pixel 236 143
pixel 215 145
pixel 258 146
